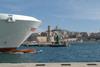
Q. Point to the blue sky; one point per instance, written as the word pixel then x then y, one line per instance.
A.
pixel 74 15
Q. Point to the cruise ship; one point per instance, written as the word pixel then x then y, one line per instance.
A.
pixel 15 29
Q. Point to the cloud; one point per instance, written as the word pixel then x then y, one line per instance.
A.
pixel 78 9
pixel 14 6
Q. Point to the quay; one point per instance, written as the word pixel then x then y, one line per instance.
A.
pixel 51 38
pixel 46 45
pixel 65 64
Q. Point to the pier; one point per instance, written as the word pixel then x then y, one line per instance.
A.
pixel 65 64
pixel 52 38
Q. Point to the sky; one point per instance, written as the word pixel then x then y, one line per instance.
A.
pixel 73 15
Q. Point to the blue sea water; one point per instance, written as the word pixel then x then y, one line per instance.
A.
pixel 76 52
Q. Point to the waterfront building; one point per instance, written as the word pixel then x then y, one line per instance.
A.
pixel 41 39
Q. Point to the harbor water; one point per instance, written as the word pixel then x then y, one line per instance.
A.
pixel 76 52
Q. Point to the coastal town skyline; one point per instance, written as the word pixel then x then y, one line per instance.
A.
pixel 74 15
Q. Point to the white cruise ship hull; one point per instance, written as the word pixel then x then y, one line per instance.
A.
pixel 15 30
